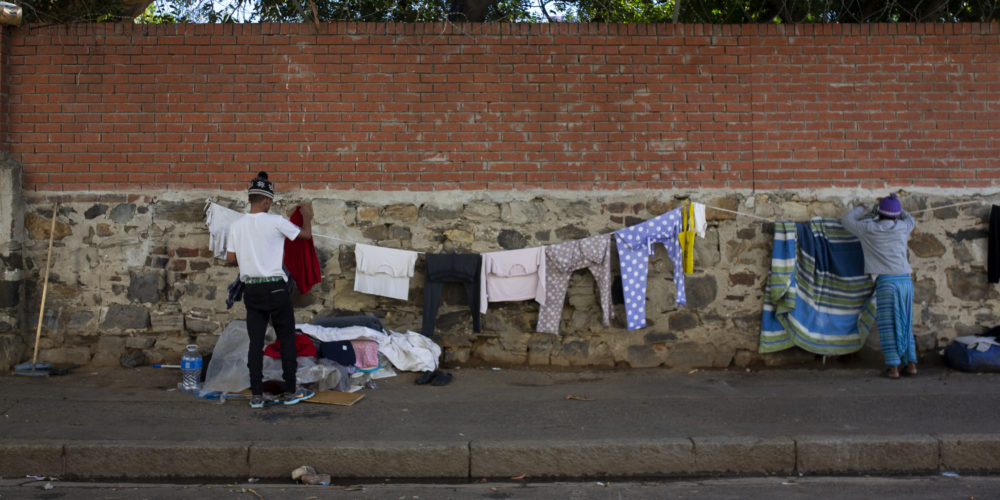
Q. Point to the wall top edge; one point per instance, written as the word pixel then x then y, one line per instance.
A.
pixel 446 198
pixel 521 29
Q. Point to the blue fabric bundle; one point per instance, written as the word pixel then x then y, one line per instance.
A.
pixel 818 296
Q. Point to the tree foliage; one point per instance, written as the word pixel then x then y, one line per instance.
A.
pixel 610 11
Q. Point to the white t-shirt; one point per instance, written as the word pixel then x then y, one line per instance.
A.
pixel 383 271
pixel 258 240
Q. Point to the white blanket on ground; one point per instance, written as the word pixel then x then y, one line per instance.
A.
pixel 408 351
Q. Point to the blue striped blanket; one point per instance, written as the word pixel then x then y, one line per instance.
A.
pixel 818 296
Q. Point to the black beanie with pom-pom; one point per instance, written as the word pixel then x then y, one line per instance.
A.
pixel 260 185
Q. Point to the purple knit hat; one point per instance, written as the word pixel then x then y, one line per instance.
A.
pixel 889 206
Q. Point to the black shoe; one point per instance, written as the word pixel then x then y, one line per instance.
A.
pixel 441 378
pixel 425 378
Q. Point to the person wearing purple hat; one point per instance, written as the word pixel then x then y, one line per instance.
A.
pixel 884 244
pixel 256 243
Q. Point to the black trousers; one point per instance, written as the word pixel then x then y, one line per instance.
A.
pixel 270 302
pixel 450 268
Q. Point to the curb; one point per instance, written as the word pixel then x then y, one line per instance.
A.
pixel 465 460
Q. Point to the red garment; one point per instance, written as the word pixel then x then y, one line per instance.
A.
pixel 300 258
pixel 303 347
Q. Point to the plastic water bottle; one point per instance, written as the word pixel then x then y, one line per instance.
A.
pixel 191 370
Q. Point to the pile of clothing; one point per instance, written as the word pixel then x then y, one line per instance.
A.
pixel 335 353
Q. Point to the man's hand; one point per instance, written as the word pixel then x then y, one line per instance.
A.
pixel 306 209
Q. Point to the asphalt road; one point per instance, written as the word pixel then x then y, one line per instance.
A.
pixel 483 404
pixel 802 488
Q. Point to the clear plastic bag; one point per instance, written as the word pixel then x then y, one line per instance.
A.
pixel 227 371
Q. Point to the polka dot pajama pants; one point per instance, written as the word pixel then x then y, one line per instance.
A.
pixel 561 260
pixel 635 246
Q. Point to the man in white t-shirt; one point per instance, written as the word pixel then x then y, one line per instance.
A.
pixel 256 243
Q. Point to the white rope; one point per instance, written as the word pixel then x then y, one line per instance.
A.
pixel 351 242
pixel 739 213
pixel 947 206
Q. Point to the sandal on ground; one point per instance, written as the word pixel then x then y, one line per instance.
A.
pixel 888 374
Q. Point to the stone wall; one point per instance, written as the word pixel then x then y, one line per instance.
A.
pixel 133 276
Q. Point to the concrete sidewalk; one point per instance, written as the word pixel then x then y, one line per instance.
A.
pixel 503 423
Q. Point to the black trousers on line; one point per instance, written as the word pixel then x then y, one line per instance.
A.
pixel 450 268
pixel 270 302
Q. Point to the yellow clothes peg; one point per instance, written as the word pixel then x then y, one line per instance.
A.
pixel 686 237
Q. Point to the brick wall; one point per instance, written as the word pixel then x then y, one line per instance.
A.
pixel 393 107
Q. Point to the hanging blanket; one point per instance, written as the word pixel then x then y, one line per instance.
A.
pixel 818 296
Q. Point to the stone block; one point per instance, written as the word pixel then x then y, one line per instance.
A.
pixel 598 458
pixel 540 349
pixel 108 351
pixel 140 342
pixel 925 245
pixel 867 454
pixel 403 212
pixel 41 457
pixel 362 460
pixel 642 356
pixel 459 236
pixel 199 322
pixel 439 214
pixel 162 322
pixel 744 455
pixel 970 452
pixel 38 226
pixel 968 286
pixel 11 350
pixel 509 239
pixel 494 351
pixel 146 287
pixel 571 232
pixel 80 321
pixel 10 293
pixel 523 211
pixel 95 211
pixel 367 215
pixel 152 460
pixel 78 355
pixel 179 212
pixel 206 340
pixel 482 211
pixel 173 344
pixel 376 233
pixel 105 359
pixel 122 213
pixel 701 291
pixel 126 317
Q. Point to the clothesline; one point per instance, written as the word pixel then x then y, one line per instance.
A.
pixel 913 212
pixel 720 209
pixel 739 213
pixel 947 206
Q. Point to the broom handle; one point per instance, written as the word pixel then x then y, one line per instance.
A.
pixel 45 284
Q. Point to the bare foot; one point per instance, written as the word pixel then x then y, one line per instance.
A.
pixel 891 372
pixel 911 369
